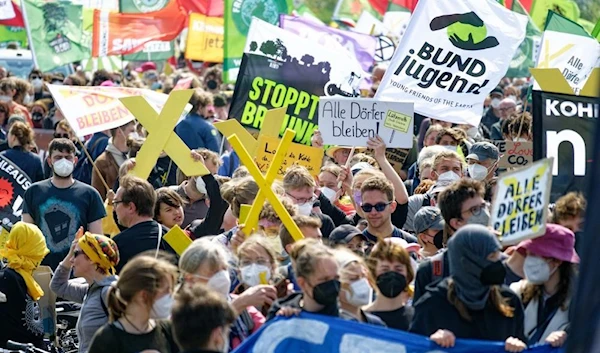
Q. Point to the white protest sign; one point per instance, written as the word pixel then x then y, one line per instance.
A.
pixel 7 11
pixel 352 121
pixel 92 109
pixel 520 206
pixel 451 56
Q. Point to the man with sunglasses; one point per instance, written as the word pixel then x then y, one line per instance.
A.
pixel 461 203
pixel 378 204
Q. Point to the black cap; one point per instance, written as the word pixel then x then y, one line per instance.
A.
pixel 344 233
pixel 498 91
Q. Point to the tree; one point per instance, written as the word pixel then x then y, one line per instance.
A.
pixel 253 46
pixel 269 47
pixel 307 59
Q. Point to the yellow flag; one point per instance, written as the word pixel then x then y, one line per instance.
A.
pixel 205 38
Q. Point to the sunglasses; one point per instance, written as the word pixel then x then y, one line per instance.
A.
pixel 379 207
pixel 35 77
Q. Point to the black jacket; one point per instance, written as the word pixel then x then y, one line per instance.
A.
pixel 433 311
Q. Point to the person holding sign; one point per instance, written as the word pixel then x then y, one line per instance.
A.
pixel 483 161
pixel 550 271
pixel 472 303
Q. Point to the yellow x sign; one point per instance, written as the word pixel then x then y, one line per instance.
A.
pixel 552 80
pixel 265 182
pixel 161 135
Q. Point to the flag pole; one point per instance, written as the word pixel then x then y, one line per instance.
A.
pixel 28 30
pixel 87 154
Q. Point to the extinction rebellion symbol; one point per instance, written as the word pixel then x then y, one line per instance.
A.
pixel 465 31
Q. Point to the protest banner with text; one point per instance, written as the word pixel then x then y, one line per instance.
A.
pixel 318 333
pixel 514 154
pixel 13 184
pixel 309 157
pixel 451 57
pixel 564 126
pixel 281 69
pixel 520 206
pixel 205 39
pixel 92 109
pixel 352 121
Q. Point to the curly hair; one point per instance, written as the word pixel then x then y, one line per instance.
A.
pixel 569 206
pixel 22 132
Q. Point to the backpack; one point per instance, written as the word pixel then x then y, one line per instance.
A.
pixel 83 169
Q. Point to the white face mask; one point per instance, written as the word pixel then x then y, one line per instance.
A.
pixel 63 167
pixel 305 208
pixel 360 293
pixel 162 307
pixel 37 83
pixel 5 99
pixel 451 148
pixel 537 270
pixel 251 274
pixel 473 131
pixel 200 185
pixel 28 99
pixel 478 172
pixel 329 193
pixel 220 282
pixel 495 103
pixel 448 176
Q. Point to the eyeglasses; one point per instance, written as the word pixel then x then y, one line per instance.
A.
pixel 57 136
pixel 379 207
pixel 303 200
pixel 476 210
pixel 116 202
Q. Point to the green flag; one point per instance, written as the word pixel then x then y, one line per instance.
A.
pixel 596 31
pixel 527 52
pixel 238 16
pixel 352 9
pixel 153 51
pixel 56 32
pixel 566 8
pixel 9 34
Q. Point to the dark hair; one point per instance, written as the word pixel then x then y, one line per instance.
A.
pixel 200 100
pixel 100 76
pixel 76 80
pixel 139 192
pixel 37 72
pixel 61 145
pixel 456 134
pixel 450 201
pixel 169 197
pixel 197 311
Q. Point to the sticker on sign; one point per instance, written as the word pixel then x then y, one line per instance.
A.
pixel 353 121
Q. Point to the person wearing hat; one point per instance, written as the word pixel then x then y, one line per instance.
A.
pixel 21 320
pixel 340 154
pixel 92 257
pixel 350 237
pixel 492 115
pixel 149 65
pixel 472 303
pixel 429 228
pixel 549 269
pixel 483 161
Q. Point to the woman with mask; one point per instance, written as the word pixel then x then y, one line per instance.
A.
pixel 546 292
pixel 356 290
pixel 20 141
pixel 207 261
pixel 139 303
pixel 390 265
pixel 471 303
pixel 328 183
pixel 23 251
pixel 92 257
pixel 317 276
pixel 38 110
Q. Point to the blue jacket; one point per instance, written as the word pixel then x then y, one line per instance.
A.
pixel 229 163
pixel 196 132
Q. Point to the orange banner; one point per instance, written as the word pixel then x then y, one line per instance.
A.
pixel 126 33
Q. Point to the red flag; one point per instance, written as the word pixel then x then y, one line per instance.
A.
pixel 16 21
pixel 127 33
pixel 381 6
pixel 211 8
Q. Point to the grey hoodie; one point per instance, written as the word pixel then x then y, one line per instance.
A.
pixel 92 315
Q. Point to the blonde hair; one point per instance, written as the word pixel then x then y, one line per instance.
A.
pixel 368 173
pixel 260 241
pixel 439 158
pixel 379 184
pixel 345 257
pixel 363 157
pixel 268 212
pixel 297 177
pixel 239 192
pixel 306 253
pixel 301 221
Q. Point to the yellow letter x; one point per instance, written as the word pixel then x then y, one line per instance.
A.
pixel 161 135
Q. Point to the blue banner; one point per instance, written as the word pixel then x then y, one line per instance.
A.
pixel 315 333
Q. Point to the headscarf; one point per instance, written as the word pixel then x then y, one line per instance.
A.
pixel 468 250
pixel 101 250
pixel 24 251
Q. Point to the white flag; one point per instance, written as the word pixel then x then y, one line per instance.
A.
pixel 451 57
pixel 7 11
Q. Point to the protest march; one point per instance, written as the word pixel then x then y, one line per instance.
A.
pixel 249 176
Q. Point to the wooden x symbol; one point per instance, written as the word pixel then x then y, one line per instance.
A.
pixel 264 184
pixel 161 135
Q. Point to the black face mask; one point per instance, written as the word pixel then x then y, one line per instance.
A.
pixel 37 116
pixel 438 239
pixel 327 293
pixel 493 274
pixel 391 284
pixel 212 84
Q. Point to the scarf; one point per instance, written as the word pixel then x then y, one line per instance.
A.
pixel 468 250
pixel 24 251
pixel 101 250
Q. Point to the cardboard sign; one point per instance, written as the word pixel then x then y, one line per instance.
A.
pixel 92 109
pixel 351 122
pixel 514 154
pixel 309 157
pixel 520 207
pixel 177 239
